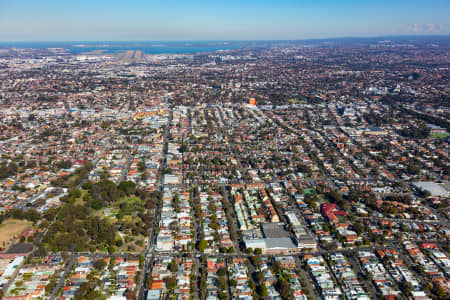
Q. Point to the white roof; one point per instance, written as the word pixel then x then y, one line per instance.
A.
pixel 435 189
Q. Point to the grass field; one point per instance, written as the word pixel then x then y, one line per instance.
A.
pixel 439 135
pixel 11 227
pixel 80 200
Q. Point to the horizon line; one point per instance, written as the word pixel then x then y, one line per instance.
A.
pixel 237 40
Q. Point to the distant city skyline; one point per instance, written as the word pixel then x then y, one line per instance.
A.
pixel 138 20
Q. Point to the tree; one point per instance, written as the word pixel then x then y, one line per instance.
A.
pixel 406 287
pixel 96 204
pixel 263 291
pixel 173 266
pixel 211 207
pixel 222 295
pixel 87 291
pixel 7 170
pixel 222 271
pixel 214 225
pixel 222 283
pixel 141 166
pixel 259 276
pixel 233 282
pixel 100 264
pixel 50 286
pixel 202 245
pixel 141 261
pixel 413 168
pixel 40 252
pixel 283 288
pixel 171 283
pixel 176 201
pixel 127 187
pixel 32 215
pixel 64 164
pixel 131 295
pixel 105 191
pixel 438 291
pixel 173 226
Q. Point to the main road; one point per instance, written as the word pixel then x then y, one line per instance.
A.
pixel 151 239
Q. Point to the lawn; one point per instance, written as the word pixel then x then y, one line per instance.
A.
pixel 11 227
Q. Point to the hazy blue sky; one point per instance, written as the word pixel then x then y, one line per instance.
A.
pixel 217 20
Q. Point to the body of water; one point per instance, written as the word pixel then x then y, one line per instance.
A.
pixel 146 47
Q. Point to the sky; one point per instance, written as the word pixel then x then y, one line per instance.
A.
pixel 149 20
